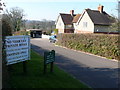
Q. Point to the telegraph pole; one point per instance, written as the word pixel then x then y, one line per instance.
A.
pixel 1 45
pixel 3 68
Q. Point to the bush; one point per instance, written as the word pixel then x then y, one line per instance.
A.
pixel 6 28
pixel 56 31
pixel 22 33
pixel 105 45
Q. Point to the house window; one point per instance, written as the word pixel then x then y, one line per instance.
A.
pixel 84 24
pixel 69 26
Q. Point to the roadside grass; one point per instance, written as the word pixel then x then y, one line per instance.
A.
pixel 34 78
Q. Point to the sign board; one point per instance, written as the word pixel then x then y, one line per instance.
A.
pixel 17 48
pixel 49 57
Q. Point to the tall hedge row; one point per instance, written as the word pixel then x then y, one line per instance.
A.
pixel 106 45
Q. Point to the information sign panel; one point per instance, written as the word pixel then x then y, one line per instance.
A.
pixel 17 48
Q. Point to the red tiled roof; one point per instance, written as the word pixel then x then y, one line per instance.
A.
pixel 75 19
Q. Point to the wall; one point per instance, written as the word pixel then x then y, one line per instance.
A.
pixel 75 26
pixel 90 26
pixel 99 28
pixel 102 29
pixel 69 27
pixel 60 25
pixel 45 36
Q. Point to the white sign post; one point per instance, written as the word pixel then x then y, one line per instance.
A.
pixel 17 49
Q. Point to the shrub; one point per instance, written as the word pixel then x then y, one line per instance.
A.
pixel 105 45
pixel 22 33
pixel 6 28
pixel 56 31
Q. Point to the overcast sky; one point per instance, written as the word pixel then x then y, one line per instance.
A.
pixel 50 9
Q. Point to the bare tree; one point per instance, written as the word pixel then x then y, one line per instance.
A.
pixel 115 26
pixel 2 4
pixel 15 15
pixel 45 25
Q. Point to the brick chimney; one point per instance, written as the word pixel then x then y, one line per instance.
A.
pixel 100 8
pixel 71 12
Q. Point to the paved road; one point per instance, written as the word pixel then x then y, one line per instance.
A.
pixel 94 71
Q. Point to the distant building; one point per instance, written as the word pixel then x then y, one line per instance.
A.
pixel 90 21
pixel 64 22
pixel 35 33
pixel 94 21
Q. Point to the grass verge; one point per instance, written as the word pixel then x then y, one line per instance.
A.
pixel 34 78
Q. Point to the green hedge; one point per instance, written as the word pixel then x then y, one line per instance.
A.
pixel 22 33
pixel 105 45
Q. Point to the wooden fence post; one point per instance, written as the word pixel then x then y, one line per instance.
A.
pixel 45 66
pixel 51 68
pixel 24 66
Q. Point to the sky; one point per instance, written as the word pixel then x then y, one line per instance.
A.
pixel 50 9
